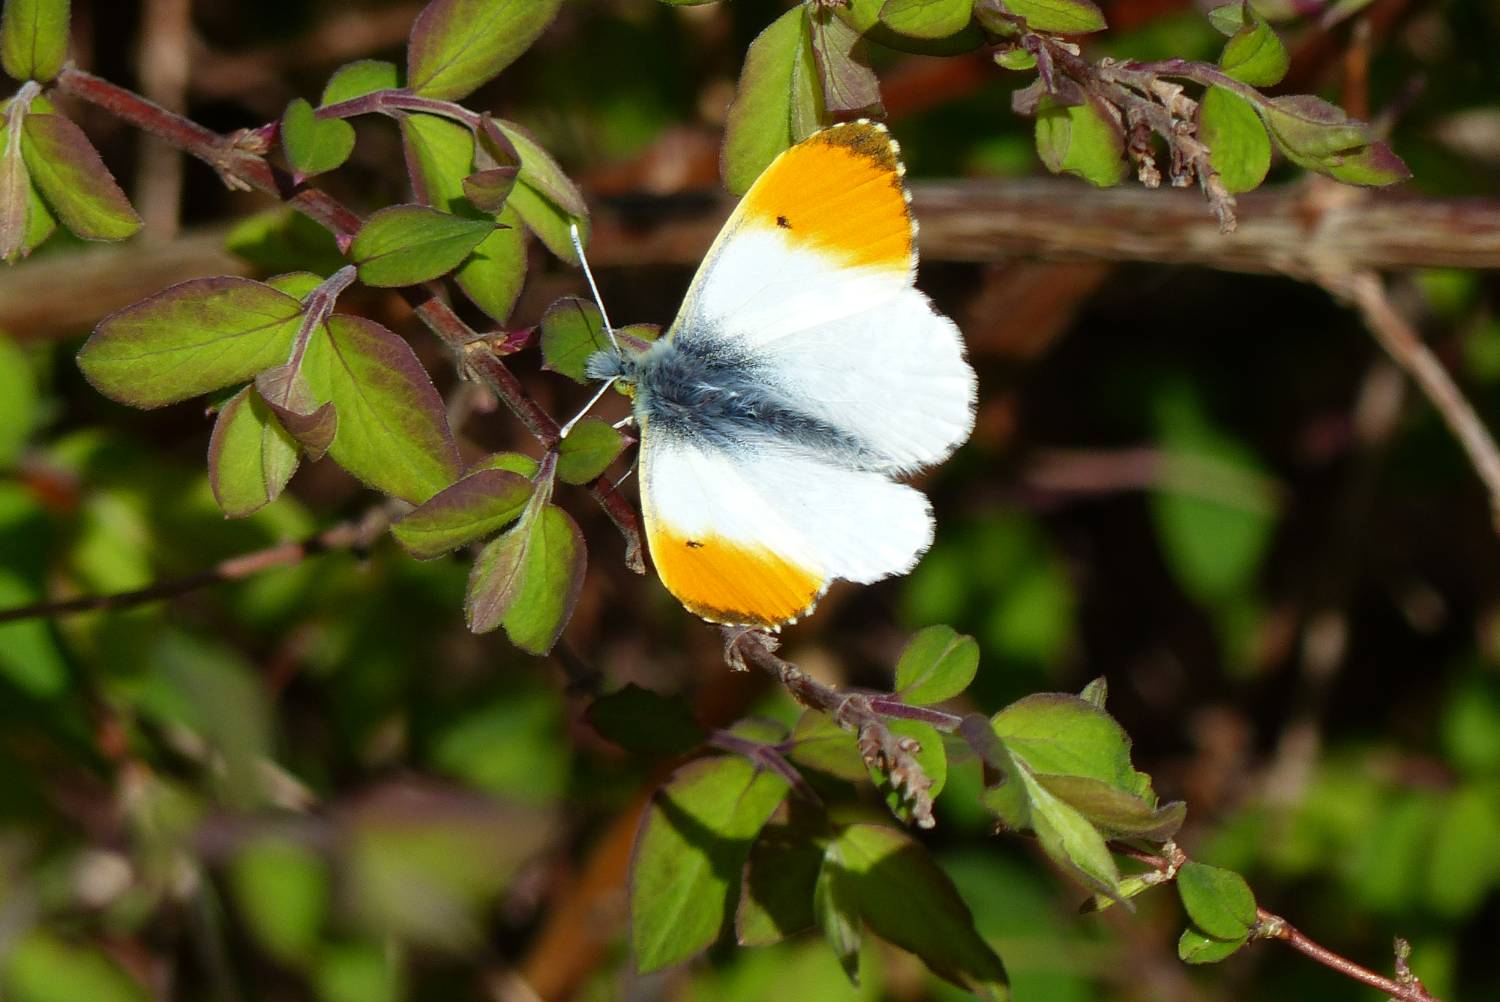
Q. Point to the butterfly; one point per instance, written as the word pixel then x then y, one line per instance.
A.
pixel 803 376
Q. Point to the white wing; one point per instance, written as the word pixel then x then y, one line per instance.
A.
pixel 812 280
pixel 753 534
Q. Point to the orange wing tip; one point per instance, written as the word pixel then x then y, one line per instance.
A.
pixel 732 584
pixel 840 192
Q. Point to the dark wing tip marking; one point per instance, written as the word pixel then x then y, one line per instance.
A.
pixel 867 138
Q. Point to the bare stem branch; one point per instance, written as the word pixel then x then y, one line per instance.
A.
pixel 346 536
pixel 1398 337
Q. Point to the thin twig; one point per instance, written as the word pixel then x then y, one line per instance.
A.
pixel 1401 340
pixel 1271 926
pixel 352 535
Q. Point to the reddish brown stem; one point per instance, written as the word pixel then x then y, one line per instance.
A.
pixel 1271 926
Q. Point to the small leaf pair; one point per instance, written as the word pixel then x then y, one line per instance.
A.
pixel 337 383
pixel 48 171
pixel 1065 772
pixel 528 578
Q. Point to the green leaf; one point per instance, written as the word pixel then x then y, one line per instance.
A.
pixel 1309 129
pixel 1228 19
pixel 439 158
pixel 439 155
pixel 1015 58
pixel 932 757
pixel 1063 735
pixel 282 239
pixel 927 18
pixel 34 38
pixel 478 506
pixel 819 743
pixel 693 842
pixel 938 664
pixel 836 909
pixel 1193 947
pixel 44 968
pixel 282 891
pixel 18 401
pixel 1238 145
pixel 314 145
pixel 528 580
pixel 67 170
pixel 864 16
pixel 412 244
pixel 588 450
pixel 393 432
pixel 458 45
pixel 1114 812
pixel 538 170
pixel 907 899
pixel 1083 140
pixel 572 331
pixel 1060 17
pixel 192 338
pixel 357 972
pixel 515 462
pixel 1218 901
pixel 1216 510
pixel 645 722
pixel 1096 692
pixel 250 456
pixel 1255 54
pixel 776 897
pixel 770 110
pixel 361 77
pixel 1463 863
pixel 494 274
pixel 1068 837
pixel 1375 166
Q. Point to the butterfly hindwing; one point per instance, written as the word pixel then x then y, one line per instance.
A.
pixel 752 533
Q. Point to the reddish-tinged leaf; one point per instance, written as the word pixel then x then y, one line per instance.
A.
pixel 15 199
pixel 477 506
pixel 1375 165
pixel 850 86
pixel 190 339
pixel 528 580
pixel 539 170
pixel 393 433
pixel 457 45
pixel 66 168
pixel 487 190
pixel 285 391
pixel 250 456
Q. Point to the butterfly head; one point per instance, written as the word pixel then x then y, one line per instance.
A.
pixel 620 366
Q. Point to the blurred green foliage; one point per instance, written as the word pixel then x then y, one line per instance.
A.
pixel 314 783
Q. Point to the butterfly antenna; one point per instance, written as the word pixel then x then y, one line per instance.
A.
pixel 588 273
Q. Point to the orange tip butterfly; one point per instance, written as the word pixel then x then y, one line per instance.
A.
pixel 803 375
